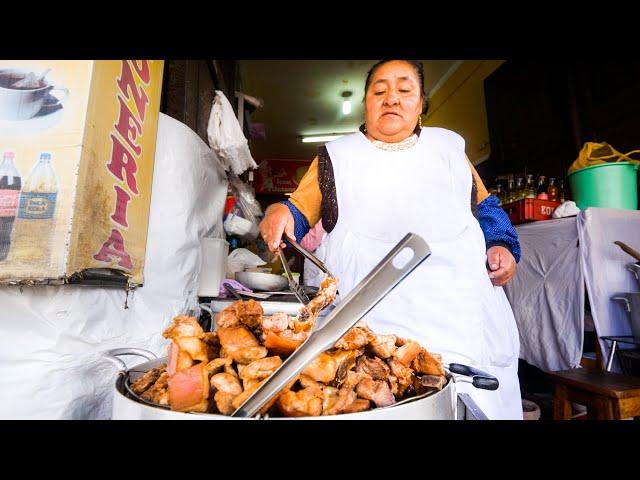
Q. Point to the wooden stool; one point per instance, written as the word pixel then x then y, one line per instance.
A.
pixel 607 395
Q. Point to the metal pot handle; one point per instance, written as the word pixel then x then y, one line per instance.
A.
pixel 625 300
pixel 114 353
pixel 479 379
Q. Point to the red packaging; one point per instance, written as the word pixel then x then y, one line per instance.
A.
pixel 530 210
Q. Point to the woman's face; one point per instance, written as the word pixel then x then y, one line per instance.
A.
pixel 393 102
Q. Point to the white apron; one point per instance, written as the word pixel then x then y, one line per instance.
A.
pixel 448 304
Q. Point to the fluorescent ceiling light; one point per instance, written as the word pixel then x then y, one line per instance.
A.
pixel 323 138
pixel 346 107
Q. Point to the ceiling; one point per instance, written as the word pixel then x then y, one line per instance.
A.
pixel 303 97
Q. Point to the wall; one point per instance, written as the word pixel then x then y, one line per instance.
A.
pixel 458 104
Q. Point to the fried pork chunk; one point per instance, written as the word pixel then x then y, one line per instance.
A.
pixel 325 296
pixel 322 369
pixel 303 403
pixel 159 392
pixel 407 353
pixel 189 389
pixel 403 376
pixel 227 387
pixel 383 346
pixel 354 339
pixel 184 326
pixel 147 380
pixel 374 367
pixel 345 360
pixel 240 344
pixel 427 364
pixel 283 343
pixel 278 322
pixel 377 391
pixel 248 313
pixel 258 370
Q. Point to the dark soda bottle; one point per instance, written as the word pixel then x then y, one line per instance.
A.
pixel 10 185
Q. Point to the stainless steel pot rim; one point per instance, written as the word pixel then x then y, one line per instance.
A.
pixel 146 366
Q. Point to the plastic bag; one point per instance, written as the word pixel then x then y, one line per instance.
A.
pixel 244 217
pixel 240 259
pixel 594 153
pixel 226 137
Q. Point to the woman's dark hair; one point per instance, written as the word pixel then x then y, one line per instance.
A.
pixel 417 66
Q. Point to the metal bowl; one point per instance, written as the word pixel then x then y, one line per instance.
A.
pixel 267 282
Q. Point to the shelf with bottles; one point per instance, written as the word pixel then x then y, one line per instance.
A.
pixel 511 188
pixel 527 197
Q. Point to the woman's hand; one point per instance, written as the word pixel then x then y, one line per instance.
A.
pixel 277 220
pixel 502 265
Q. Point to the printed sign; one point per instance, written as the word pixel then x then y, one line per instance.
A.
pixel 77 143
pixel 279 176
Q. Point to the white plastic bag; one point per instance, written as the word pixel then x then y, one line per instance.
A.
pixel 240 259
pixel 567 209
pixel 226 137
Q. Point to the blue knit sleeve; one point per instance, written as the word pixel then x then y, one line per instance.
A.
pixel 496 226
pixel 301 225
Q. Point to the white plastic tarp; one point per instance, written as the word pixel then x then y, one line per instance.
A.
pixel 547 295
pixel 605 270
pixel 52 337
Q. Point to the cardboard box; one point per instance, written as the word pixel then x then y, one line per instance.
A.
pixel 76 168
pixel 530 210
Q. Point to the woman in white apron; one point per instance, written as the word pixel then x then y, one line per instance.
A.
pixel 420 184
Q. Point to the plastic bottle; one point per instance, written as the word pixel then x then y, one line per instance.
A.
pixel 35 223
pixel 10 184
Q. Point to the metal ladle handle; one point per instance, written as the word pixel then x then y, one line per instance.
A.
pixel 405 257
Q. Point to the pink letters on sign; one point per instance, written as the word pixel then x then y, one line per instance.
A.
pixel 114 247
pixel 128 126
pixel 124 154
pixel 122 159
pixel 127 83
pixel 122 199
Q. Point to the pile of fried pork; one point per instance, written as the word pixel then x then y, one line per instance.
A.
pixel 215 372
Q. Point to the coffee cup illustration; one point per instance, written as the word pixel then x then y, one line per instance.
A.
pixel 24 93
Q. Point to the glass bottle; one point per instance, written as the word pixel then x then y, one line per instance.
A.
pixel 552 190
pixel 530 188
pixel 561 194
pixel 541 191
pixel 511 190
pixel 520 188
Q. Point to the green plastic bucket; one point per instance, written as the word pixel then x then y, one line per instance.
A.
pixel 609 185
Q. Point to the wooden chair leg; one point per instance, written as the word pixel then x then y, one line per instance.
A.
pixel 605 409
pixel 561 404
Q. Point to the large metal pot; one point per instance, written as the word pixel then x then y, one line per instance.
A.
pixel 442 405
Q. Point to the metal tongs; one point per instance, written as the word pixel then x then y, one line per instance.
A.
pixel 410 252
pixel 295 286
pixel 309 256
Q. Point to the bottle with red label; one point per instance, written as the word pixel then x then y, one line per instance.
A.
pixel 10 184
pixel 35 221
pixel 541 192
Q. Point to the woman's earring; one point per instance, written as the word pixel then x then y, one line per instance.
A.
pixel 420 121
pixel 364 129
